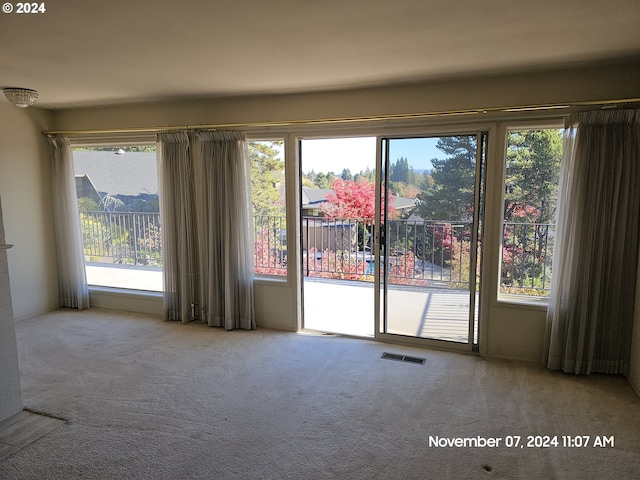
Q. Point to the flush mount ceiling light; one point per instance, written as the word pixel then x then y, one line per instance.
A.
pixel 21 97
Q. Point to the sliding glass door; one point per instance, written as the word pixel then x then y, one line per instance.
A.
pixel 429 254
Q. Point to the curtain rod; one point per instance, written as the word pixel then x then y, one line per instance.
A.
pixel 360 119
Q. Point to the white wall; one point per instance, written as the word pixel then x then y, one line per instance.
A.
pixel 10 397
pixel 25 188
pixel 607 82
pixel 509 331
pixel 28 284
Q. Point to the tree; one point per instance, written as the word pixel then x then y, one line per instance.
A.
pixel 352 200
pixel 346 174
pixel 267 173
pixel 112 204
pixel 452 195
pixel 367 174
pixel 531 178
pixel 324 180
pixel 531 188
pixel 144 206
pixel 86 204
pixel 399 171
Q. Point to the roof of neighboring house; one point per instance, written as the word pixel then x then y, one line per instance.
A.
pixel 314 197
pixel 402 202
pixel 130 174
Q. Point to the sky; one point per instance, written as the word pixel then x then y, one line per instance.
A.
pixel 356 154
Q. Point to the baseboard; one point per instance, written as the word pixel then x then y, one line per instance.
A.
pixel 37 313
pixel 634 387
pixel 526 361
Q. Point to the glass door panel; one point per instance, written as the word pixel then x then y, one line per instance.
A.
pixel 429 253
pixel 337 192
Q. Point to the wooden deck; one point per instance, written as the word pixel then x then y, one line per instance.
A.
pixel 342 307
pixel 348 308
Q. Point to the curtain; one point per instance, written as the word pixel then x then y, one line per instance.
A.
pixel 177 217
pixel 72 278
pixel 591 306
pixel 206 224
pixel 225 236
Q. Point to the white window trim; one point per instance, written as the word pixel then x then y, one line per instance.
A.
pixel 121 140
pixel 504 128
pixel 263 278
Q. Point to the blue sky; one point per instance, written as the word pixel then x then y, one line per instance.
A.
pixel 334 155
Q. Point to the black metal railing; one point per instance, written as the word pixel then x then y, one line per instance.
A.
pixel 527 254
pixel 418 252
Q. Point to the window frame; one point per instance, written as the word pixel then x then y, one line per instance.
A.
pixel 283 138
pixel 115 142
pixel 503 132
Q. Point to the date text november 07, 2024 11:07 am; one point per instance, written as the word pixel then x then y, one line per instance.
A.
pixel 528 441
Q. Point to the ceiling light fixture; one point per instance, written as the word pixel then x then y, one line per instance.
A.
pixel 21 97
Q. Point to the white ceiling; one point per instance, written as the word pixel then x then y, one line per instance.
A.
pixel 88 52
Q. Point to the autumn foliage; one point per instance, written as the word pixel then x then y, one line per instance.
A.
pixel 353 199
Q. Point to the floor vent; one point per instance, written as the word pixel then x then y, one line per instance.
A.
pixel 403 358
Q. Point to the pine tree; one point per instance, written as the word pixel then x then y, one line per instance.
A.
pixel 399 171
pixel 451 197
pixel 267 173
pixel 531 177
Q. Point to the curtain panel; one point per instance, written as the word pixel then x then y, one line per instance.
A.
pixel 591 305
pixel 72 279
pixel 177 213
pixel 207 235
pixel 225 237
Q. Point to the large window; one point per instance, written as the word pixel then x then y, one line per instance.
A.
pixel 118 204
pixel 532 171
pixel 269 206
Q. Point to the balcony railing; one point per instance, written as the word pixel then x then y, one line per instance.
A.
pixel 128 238
pixel 420 253
pixel 527 253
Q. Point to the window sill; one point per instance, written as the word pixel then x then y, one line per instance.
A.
pixel 270 280
pixel 541 303
pixel 125 292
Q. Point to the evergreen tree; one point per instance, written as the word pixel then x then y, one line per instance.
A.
pixel 267 172
pixel 367 174
pixel 531 188
pixel 324 180
pixel 531 177
pixel 452 195
pixel 399 171
pixel 346 174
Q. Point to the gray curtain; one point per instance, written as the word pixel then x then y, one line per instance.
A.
pixel 591 307
pixel 72 278
pixel 206 224
pixel 177 213
pixel 225 235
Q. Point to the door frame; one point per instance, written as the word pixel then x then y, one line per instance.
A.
pixel 380 289
pixel 413 129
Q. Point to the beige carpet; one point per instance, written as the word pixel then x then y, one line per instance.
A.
pixel 147 399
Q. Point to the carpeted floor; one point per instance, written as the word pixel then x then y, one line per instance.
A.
pixel 147 399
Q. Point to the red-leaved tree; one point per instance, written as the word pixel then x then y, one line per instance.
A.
pixel 354 199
